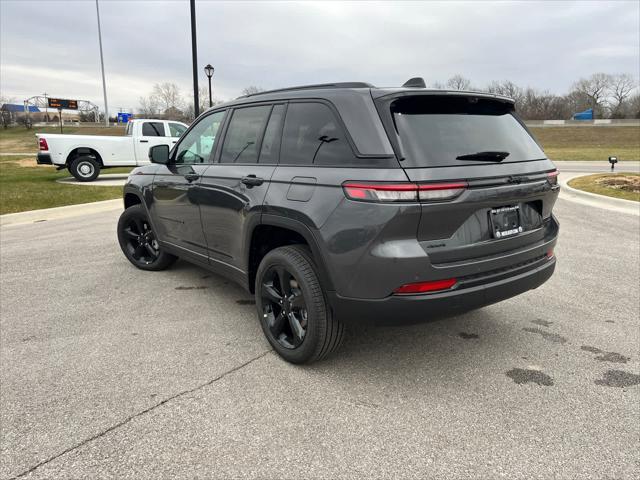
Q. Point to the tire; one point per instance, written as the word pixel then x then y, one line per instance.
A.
pixel 301 327
pixel 139 243
pixel 85 169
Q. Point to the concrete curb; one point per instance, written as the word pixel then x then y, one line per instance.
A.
pixel 67 211
pixel 593 199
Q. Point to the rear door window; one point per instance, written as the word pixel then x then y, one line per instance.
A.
pixel 243 135
pixel 437 131
pixel 153 129
pixel 313 136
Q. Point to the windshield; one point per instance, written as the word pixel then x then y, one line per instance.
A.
pixel 440 131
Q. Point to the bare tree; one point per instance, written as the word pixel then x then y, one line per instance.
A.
pixel 4 99
pixel 203 95
pixel 633 106
pixel 252 90
pixel 458 82
pixel 148 106
pixel 167 95
pixel 596 89
pixel 621 87
pixel 506 88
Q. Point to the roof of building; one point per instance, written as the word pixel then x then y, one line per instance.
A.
pixel 14 107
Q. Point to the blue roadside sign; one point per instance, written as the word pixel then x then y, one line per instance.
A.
pixel 124 117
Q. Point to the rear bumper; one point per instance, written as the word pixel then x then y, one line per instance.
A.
pixel 397 309
pixel 44 159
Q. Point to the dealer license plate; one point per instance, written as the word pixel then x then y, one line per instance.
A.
pixel 505 221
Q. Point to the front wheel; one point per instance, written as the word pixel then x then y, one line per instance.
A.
pixel 293 312
pixel 138 241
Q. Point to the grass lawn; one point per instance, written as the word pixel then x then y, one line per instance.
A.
pixel 589 143
pixel 21 140
pixel 618 185
pixel 27 186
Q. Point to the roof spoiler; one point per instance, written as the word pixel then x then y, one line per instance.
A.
pixel 415 82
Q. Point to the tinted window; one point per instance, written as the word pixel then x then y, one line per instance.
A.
pixel 197 144
pixel 245 130
pixel 312 136
pixel 176 130
pixel 153 129
pixel 435 130
pixel 270 149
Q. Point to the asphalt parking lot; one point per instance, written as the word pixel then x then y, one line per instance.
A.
pixel 108 371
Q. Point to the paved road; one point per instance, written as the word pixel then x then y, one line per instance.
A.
pixel 108 371
pixel 597 167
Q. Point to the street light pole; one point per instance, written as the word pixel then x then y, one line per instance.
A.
pixel 194 54
pixel 208 70
pixel 104 83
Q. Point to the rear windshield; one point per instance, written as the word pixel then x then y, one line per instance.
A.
pixel 436 131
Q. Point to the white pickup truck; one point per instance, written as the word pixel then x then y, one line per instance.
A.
pixel 86 155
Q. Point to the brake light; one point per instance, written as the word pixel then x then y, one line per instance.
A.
pixel 402 192
pixel 552 177
pixel 42 144
pixel 550 253
pixel 425 287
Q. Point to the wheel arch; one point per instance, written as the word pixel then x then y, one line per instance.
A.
pixel 80 151
pixel 280 231
pixel 131 199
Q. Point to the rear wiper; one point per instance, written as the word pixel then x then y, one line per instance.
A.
pixel 485 156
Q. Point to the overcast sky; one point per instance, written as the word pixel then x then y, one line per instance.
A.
pixel 52 46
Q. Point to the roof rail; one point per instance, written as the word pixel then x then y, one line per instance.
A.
pixel 313 87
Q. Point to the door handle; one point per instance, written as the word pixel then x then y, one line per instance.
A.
pixel 190 177
pixel 252 181
pixel 144 141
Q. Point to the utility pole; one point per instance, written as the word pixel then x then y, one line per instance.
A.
pixel 104 83
pixel 46 107
pixel 194 53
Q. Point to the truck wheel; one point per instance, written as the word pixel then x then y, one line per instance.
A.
pixel 138 241
pixel 292 308
pixel 85 169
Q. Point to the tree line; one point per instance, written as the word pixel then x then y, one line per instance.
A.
pixel 609 95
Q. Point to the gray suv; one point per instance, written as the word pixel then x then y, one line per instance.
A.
pixel 344 203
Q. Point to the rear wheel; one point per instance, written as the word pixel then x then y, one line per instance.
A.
pixel 85 169
pixel 138 241
pixel 293 312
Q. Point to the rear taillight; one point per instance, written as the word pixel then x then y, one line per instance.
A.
pixel 42 144
pixel 550 253
pixel 425 287
pixel 552 177
pixel 402 192
pixel 432 192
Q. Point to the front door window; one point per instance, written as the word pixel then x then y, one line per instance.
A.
pixel 198 144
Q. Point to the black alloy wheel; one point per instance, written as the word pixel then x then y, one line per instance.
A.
pixel 138 241
pixel 141 242
pixel 283 307
pixel 292 308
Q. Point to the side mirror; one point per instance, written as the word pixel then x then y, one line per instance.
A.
pixel 159 154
